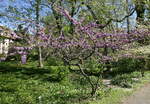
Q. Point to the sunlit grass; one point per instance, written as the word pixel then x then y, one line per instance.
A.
pixel 27 84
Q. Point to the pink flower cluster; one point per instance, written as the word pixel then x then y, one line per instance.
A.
pixel 87 41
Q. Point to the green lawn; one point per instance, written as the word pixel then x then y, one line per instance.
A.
pixel 20 85
pixel 30 85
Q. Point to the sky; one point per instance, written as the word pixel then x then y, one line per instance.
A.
pixel 4 4
pixel 19 3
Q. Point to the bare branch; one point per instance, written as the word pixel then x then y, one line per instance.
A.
pixel 110 20
pixel 17 18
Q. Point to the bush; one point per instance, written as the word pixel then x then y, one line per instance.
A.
pixel 127 65
pixel 125 80
pixel 54 62
pixel 93 67
pixel 57 73
pixel 32 57
pixel 13 58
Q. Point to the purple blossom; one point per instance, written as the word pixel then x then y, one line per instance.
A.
pixel 23 59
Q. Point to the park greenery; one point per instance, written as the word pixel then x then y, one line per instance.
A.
pixel 73 51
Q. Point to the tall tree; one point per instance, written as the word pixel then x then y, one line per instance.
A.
pixel 128 19
pixel 37 12
pixel 140 10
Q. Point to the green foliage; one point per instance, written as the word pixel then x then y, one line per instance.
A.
pixel 127 65
pixel 115 97
pixel 93 67
pixel 126 80
pixel 2 55
pixel 103 91
pixel 51 61
pixel 13 58
pixel 145 40
pixel 31 85
pixel 33 56
pixel 57 73
pixel 55 85
pixel 147 64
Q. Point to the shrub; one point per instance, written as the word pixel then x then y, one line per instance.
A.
pixel 93 67
pixel 125 80
pixel 51 61
pixel 57 73
pixel 127 65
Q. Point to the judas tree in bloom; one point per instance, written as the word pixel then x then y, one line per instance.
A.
pixel 89 43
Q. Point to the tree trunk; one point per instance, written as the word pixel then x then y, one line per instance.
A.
pixel 128 19
pixel 72 14
pixel 58 18
pixel 140 10
pixel 37 8
pixel 93 92
pixel 40 57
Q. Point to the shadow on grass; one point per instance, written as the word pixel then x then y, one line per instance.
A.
pixel 10 85
pixel 24 72
pixel 71 98
pixel 7 90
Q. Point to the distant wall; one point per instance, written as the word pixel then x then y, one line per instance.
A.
pixel 4 46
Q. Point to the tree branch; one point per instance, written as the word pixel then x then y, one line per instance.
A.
pixel 110 20
pixel 17 18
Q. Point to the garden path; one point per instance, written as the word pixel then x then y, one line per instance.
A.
pixel 141 96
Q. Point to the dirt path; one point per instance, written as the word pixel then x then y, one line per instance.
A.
pixel 142 96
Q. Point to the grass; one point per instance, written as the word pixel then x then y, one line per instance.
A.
pixel 30 85
pixel 115 97
pixel 118 95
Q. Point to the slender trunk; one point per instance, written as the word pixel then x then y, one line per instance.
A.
pixel 37 8
pixel 94 87
pixel 58 18
pixel 142 73
pixel 105 53
pixel 40 57
pixel 128 25
pixel 128 19
pixel 72 14
pixel 58 22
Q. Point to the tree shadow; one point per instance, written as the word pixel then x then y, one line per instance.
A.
pixel 7 90
pixel 24 72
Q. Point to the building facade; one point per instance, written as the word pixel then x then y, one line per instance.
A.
pixel 5 39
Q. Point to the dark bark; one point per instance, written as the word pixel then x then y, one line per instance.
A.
pixel 58 18
pixel 128 19
pixel 110 19
pixel 140 10
pixel 94 87
pixel 73 3
pixel 105 53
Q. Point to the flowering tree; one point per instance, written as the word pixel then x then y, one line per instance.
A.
pixel 89 43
